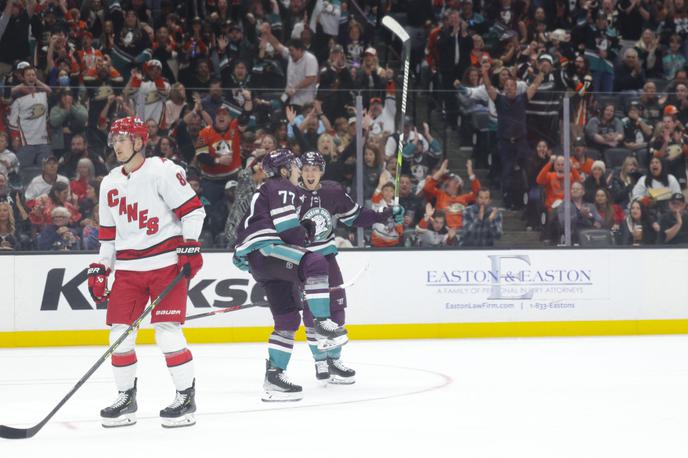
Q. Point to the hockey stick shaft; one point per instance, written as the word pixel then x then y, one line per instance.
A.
pixel 399 31
pixel 7 432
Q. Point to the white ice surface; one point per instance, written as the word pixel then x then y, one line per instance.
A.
pixel 574 397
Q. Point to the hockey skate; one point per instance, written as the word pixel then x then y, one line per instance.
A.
pixel 329 334
pixel 339 373
pixel 322 371
pixel 278 387
pixel 122 412
pixel 181 411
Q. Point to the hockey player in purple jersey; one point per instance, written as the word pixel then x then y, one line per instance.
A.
pixel 271 242
pixel 325 203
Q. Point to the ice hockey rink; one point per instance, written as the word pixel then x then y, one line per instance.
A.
pixel 532 397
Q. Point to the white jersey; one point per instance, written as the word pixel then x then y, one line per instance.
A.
pixel 28 116
pixel 150 101
pixel 145 214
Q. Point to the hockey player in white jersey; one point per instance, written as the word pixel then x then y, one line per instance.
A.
pixel 150 221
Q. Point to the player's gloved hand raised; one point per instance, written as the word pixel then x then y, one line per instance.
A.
pixel 241 263
pixel 97 282
pixel 189 252
pixel 398 214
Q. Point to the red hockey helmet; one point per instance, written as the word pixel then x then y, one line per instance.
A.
pixel 131 125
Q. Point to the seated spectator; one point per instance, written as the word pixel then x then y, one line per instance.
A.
pixel 606 214
pixel 167 148
pixel 42 184
pixel 676 103
pixel 174 105
pixel 67 118
pixel 623 179
pixel 650 108
pixel 605 131
pixel 153 138
pixel 629 76
pixel 657 186
pixel 9 164
pixel 637 131
pixel 582 214
pixel 674 223
pixel 89 201
pixel 450 200
pixel 59 196
pixel 432 230
pixel 650 54
pixel 580 159
pixel 8 231
pixel 670 144
pixel 89 233
pixel 637 228
pixel 385 234
pixel 408 198
pixel 596 180
pixel 68 163
pixel 482 224
pixel 57 236
pixel 673 59
pixel 85 173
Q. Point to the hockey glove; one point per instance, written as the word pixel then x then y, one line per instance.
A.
pixel 309 226
pixel 189 252
pixel 398 214
pixel 241 263
pixel 97 282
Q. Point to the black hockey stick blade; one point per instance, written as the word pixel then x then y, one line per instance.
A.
pixel 8 432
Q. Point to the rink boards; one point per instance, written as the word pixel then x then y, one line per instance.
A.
pixel 399 294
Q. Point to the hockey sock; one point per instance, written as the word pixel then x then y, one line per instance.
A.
pixel 172 342
pixel 124 359
pixel 335 353
pixel 280 346
pixel 318 355
pixel 317 292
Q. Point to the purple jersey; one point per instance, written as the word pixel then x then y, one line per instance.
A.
pixel 272 218
pixel 327 205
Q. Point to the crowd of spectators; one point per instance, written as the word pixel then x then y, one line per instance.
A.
pixel 221 83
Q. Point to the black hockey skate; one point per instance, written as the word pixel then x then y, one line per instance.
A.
pixel 122 412
pixel 277 386
pixel 329 334
pixel 322 371
pixel 181 411
pixel 339 373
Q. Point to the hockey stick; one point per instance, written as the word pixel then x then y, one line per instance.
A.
pixel 7 432
pixel 398 30
pixel 234 308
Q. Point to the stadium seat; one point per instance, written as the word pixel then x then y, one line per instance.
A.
pixel 614 157
pixel 596 238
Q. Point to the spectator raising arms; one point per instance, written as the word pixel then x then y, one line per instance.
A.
pixel 432 230
pixel 385 234
pixel 450 200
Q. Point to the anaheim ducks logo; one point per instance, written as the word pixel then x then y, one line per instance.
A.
pixel 222 148
pixel 37 110
pixel 456 208
pixel 322 220
pixel 104 92
pixel 152 97
pixel 674 151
